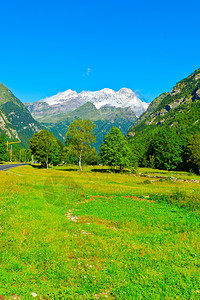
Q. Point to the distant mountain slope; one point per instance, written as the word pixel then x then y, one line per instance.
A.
pixel 6 127
pixel 179 109
pixel 71 100
pixel 16 122
pixel 106 108
pixel 104 118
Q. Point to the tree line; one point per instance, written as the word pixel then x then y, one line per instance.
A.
pixel 164 150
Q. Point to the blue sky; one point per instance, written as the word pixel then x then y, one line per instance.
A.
pixel 50 46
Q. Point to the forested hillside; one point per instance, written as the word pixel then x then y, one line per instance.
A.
pixel 16 122
pixel 105 118
pixel 176 114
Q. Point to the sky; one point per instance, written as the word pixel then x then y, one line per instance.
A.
pixel 48 47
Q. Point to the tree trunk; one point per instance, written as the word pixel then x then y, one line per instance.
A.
pixel 47 161
pixel 79 163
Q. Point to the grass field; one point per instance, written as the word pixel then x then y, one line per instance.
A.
pixel 94 235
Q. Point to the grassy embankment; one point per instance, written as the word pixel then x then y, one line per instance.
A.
pixel 67 235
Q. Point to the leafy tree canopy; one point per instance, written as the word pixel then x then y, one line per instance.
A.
pixel 193 152
pixel 164 150
pixel 79 137
pixel 45 148
pixel 115 150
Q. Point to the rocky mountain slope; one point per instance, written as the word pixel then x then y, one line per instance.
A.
pixel 71 100
pixel 178 109
pixel 16 122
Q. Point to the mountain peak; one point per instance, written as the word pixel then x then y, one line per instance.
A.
pixel 61 97
pixel 125 91
pixel 70 100
pixel 105 97
pixel 107 90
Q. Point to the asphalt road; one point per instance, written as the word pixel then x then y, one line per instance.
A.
pixel 7 167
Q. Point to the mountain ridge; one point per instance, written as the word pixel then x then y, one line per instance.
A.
pixel 177 110
pixel 16 122
pixel 71 100
pixel 106 108
pixel 184 95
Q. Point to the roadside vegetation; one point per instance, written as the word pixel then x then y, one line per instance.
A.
pixel 95 234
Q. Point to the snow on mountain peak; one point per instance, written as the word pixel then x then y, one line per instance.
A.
pixel 125 91
pixel 123 98
pixel 61 97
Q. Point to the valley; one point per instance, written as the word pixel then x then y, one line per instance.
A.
pixel 106 108
pixel 97 235
pixel 100 150
pixel 125 224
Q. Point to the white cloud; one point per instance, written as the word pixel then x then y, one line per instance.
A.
pixel 87 72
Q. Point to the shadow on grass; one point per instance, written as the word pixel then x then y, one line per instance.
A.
pixel 108 170
pixel 70 170
pixel 41 167
pixel 101 170
pixel 38 167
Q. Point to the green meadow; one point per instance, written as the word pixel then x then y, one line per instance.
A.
pixel 99 235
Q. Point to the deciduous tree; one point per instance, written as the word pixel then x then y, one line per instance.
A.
pixel 193 152
pixel 115 150
pixel 79 137
pixel 45 148
pixel 165 150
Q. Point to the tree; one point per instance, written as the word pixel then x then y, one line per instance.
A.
pixel 115 151
pixel 138 150
pixel 90 157
pixel 45 148
pixel 69 157
pixel 2 147
pixel 79 137
pixel 61 150
pixel 193 152
pixel 165 150
pixel 22 154
pixel 55 152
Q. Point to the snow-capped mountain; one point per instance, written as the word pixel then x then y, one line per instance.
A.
pixel 61 97
pixel 106 108
pixel 123 98
pixel 71 100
